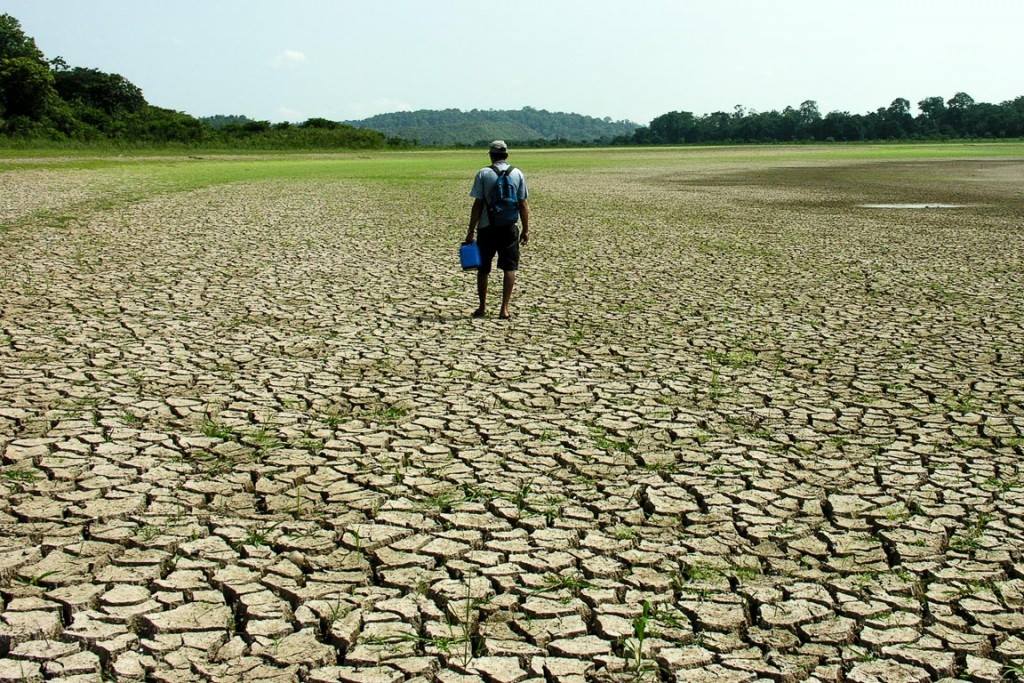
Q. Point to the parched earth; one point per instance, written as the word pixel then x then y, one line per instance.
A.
pixel 739 429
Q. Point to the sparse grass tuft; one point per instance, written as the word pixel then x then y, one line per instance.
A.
pixel 215 430
pixel 572 583
pixel 36 579
pixel 609 445
pixel 969 538
pixel 1002 484
pixel 737 358
pixel 20 475
pixel 961 402
pixel 389 415
pixel 442 502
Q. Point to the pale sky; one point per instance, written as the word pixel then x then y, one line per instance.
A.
pixel 347 59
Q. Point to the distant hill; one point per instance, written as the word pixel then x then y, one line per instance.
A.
pixel 218 121
pixel 454 126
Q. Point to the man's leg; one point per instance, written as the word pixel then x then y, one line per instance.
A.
pixel 506 292
pixel 487 251
pixel 481 292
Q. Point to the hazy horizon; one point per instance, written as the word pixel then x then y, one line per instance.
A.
pixel 351 60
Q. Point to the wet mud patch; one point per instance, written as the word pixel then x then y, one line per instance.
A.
pixel 987 185
pixel 914 206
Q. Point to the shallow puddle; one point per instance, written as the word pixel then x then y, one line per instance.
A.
pixel 912 206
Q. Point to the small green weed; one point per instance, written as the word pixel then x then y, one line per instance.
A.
pixel 260 535
pixel 961 402
pixel 442 502
pixel 666 467
pixel 264 440
pixel 389 415
pixel 572 583
pixel 609 445
pixel 333 417
pixel 744 573
pixel 35 580
pixel 701 572
pixel 970 537
pixel 215 430
pixel 521 495
pixel 635 647
pixel 1002 484
pixel 21 476
pixel 474 493
pixel 738 358
pixel 314 446
pixel 1013 671
pixel 716 390
pixel 337 610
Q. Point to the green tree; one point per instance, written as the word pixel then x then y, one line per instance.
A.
pixel 960 101
pixel 13 41
pixel 932 108
pixel 897 121
pixel 933 116
pixel 789 124
pixel 958 112
pixel 674 127
pixel 110 93
pixel 810 120
pixel 26 87
pixel 841 125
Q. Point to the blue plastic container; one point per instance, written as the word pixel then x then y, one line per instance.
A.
pixel 469 255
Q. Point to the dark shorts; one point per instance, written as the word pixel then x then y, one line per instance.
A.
pixel 501 241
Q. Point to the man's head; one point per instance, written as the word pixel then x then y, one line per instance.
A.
pixel 498 150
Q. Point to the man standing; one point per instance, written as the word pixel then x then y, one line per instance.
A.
pixel 499 193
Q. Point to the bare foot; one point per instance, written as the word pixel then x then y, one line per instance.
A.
pixel 505 315
pixel 479 313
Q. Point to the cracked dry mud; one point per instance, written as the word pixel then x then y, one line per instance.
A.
pixel 738 430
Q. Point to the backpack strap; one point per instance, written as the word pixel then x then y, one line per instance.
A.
pixel 498 173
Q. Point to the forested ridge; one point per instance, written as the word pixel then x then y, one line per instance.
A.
pixel 526 125
pixel 47 101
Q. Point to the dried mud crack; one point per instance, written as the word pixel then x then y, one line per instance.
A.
pixel 249 433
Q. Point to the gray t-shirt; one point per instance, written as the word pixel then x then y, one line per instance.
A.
pixel 486 179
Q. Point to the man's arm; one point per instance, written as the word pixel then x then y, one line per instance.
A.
pixel 474 218
pixel 524 216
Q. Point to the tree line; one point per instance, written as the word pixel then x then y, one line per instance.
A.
pixel 938 119
pixel 46 100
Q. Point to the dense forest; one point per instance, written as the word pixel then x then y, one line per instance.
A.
pixel 520 126
pixel 958 117
pixel 46 101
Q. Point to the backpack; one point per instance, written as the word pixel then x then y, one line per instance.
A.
pixel 503 202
